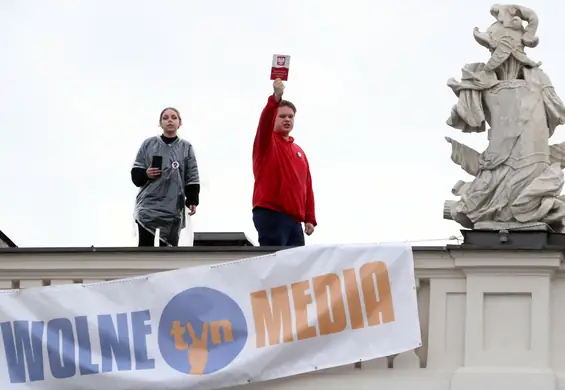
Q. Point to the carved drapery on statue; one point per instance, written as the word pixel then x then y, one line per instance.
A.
pixel 518 178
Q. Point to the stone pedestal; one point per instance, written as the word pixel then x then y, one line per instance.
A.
pixel 507 319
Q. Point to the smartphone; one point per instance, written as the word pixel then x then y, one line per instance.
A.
pixel 157 162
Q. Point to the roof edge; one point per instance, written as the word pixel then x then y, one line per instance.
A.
pixel 188 249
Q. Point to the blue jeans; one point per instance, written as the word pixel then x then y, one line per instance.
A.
pixel 277 229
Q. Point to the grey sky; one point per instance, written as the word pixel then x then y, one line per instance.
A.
pixel 83 82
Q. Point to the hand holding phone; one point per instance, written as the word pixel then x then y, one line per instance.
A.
pixel 154 171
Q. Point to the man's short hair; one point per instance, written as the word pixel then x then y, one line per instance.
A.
pixel 286 103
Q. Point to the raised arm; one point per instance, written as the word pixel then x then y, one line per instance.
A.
pixel 264 135
pixel 191 179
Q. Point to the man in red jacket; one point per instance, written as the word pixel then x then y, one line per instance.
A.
pixel 282 194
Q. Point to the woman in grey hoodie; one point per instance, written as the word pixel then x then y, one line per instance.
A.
pixel 166 172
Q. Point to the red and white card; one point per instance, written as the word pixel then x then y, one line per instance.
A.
pixel 280 67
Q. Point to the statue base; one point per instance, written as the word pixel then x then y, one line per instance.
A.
pixel 489 239
pixel 512 226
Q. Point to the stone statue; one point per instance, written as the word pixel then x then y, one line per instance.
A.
pixel 518 179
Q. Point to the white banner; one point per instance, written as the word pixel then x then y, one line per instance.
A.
pixel 209 327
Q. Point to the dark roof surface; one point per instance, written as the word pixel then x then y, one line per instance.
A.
pixel 238 242
pixel 186 249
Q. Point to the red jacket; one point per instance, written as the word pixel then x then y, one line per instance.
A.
pixel 282 174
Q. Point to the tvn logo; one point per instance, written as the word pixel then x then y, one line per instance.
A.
pixel 201 331
pixel 197 350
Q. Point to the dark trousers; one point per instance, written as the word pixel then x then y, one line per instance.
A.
pixel 146 238
pixel 277 229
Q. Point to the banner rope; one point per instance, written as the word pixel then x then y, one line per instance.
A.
pixel 459 239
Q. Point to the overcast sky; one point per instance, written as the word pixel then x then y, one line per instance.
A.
pixel 83 82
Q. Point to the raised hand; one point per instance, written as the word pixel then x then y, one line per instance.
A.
pixel 278 88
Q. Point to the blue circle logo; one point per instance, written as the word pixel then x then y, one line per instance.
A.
pixel 201 331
